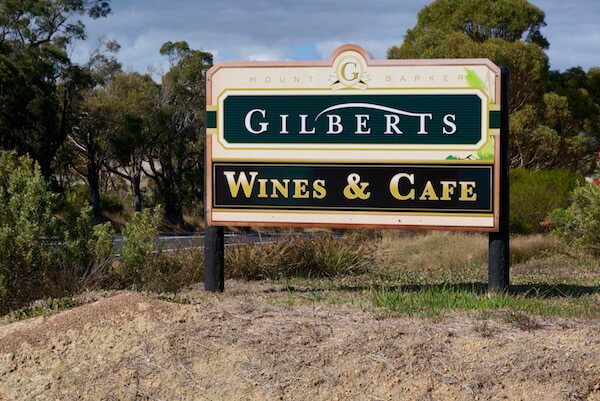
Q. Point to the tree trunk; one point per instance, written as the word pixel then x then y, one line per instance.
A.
pixel 93 177
pixel 137 191
pixel 174 212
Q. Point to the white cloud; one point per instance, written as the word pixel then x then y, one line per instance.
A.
pixel 272 29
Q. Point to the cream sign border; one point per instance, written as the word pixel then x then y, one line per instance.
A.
pixel 242 77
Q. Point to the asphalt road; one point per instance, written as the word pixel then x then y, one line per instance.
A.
pixel 172 243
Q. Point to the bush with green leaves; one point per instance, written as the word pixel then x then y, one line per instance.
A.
pixel 534 194
pixel 42 256
pixel 85 253
pixel 26 226
pixel 579 224
pixel 139 237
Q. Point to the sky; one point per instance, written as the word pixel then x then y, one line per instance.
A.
pixel 305 29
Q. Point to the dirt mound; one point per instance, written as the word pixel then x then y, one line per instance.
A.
pixel 249 344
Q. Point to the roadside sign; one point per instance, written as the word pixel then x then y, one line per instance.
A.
pixel 354 142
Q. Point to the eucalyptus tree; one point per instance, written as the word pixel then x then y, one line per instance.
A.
pixel 34 38
pixel 130 100
pixel 176 156
pixel 88 117
pixel 544 131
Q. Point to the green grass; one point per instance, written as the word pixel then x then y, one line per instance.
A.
pixel 433 274
pixel 431 301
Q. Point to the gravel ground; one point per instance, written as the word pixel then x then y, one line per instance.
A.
pixel 251 344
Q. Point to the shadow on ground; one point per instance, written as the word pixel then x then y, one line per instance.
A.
pixel 528 290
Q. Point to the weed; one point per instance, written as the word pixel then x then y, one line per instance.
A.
pixel 483 328
pixel 44 307
pixel 522 321
pixel 174 298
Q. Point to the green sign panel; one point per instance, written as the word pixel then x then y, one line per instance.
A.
pixel 394 119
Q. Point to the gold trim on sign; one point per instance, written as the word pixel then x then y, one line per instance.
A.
pixel 335 161
pixel 262 211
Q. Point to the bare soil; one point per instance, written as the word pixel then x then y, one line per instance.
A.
pixel 252 344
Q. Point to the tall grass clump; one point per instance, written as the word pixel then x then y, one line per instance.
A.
pixel 431 251
pixel 323 255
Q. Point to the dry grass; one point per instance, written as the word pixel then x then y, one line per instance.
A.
pixel 431 251
pixel 448 250
pixel 323 255
pixel 527 247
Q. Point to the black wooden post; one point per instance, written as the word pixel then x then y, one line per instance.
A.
pixel 214 248
pixel 214 259
pixel 499 247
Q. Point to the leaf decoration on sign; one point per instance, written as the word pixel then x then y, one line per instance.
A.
pixel 487 151
pixel 474 81
pixel 453 157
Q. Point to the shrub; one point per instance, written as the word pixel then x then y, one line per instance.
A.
pixel 26 220
pixel 533 194
pixel 85 253
pixel 41 256
pixel 579 224
pixel 139 237
pixel 328 255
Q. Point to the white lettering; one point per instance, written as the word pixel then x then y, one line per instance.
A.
pixel 361 124
pixel 248 121
pixel 391 124
pixel 284 118
pixel 303 130
pixel 423 128
pixel 449 120
pixel 335 124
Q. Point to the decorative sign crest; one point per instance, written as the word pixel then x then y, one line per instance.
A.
pixel 354 142
pixel 350 71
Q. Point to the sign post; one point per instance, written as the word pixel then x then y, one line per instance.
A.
pixel 354 142
pixel 499 242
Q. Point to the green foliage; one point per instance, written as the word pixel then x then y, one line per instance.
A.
pixel 533 194
pixel 481 20
pixel 507 32
pixel 85 253
pixel 579 224
pixel 26 221
pixel 548 130
pixel 177 154
pixel 111 204
pixel 547 138
pixel 42 256
pixel 139 238
pixel 33 58
pixel 43 308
